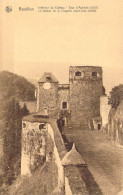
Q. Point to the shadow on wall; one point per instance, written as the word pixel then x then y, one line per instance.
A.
pixel 90 182
pixel 68 145
pixel 87 177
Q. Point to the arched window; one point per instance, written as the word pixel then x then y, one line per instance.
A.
pixel 48 78
pixel 77 73
pixel 94 74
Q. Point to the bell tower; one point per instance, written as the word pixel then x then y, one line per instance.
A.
pixel 47 98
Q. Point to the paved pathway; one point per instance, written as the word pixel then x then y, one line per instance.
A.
pixel 104 159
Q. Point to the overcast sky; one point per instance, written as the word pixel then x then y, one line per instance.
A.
pixel 32 42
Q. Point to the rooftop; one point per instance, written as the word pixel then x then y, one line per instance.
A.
pixel 73 158
pixel 45 77
pixel 36 117
pixel 63 86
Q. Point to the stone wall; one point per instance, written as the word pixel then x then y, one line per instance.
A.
pixel 74 182
pixel 63 96
pixel 64 113
pixel 82 96
pixel 85 92
pixel 55 153
pixel 50 157
pixel 54 150
pixel 47 98
pixel 69 178
pixel 115 124
pixel 112 120
pixel 33 146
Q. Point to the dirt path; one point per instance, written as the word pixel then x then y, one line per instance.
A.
pixel 104 159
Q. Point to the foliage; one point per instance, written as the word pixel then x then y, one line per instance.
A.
pixel 25 111
pixel 41 182
pixel 12 85
pixel 11 130
pixel 13 88
pixel 116 96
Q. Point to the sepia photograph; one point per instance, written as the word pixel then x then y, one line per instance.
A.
pixel 61 97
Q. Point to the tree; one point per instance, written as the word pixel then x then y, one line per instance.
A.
pixel 9 136
pixel 25 111
pixel 13 85
pixel 116 96
pixel 12 120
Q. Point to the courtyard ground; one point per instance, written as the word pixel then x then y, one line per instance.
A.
pixel 104 158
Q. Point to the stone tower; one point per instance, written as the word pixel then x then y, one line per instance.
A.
pixel 85 91
pixel 47 97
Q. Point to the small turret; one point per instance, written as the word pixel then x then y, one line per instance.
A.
pixel 73 158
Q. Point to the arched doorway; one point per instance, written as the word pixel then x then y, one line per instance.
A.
pixel 61 122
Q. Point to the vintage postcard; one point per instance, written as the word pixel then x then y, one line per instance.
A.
pixel 61 97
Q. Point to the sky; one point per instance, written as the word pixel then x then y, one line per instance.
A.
pixel 34 42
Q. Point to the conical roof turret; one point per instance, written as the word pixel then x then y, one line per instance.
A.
pixel 73 158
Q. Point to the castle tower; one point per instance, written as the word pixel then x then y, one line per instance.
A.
pixel 47 98
pixel 85 91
